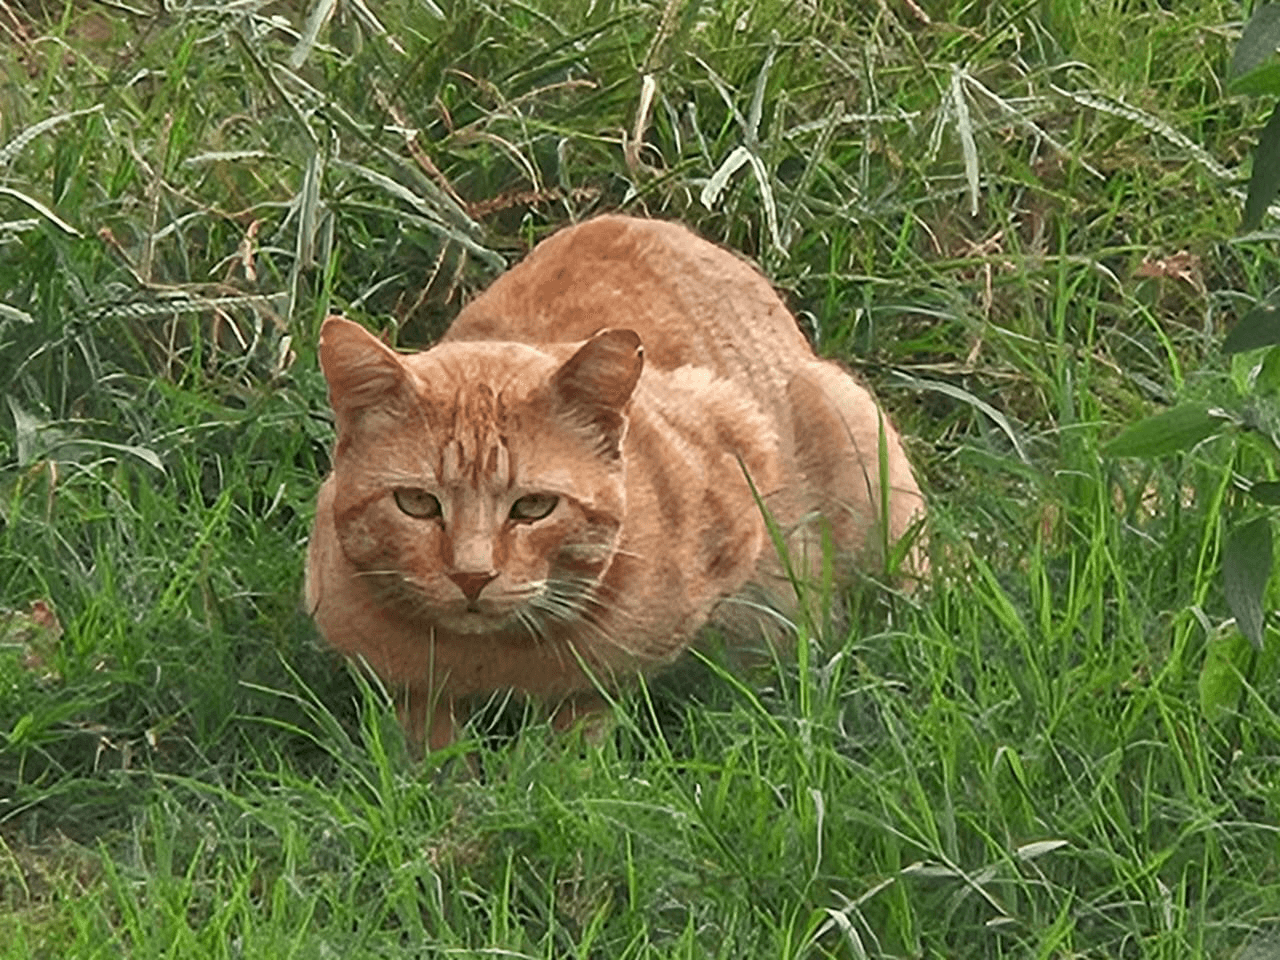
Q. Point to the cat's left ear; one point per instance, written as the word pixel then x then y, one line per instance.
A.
pixel 596 384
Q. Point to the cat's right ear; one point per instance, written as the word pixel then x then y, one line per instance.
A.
pixel 362 371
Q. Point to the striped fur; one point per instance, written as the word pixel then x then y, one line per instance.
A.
pixel 631 376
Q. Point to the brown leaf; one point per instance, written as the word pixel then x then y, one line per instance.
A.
pixel 37 632
pixel 1183 265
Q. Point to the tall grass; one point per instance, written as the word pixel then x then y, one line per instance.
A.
pixel 958 200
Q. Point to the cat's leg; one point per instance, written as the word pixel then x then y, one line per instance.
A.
pixel 588 711
pixel 429 718
pixel 837 429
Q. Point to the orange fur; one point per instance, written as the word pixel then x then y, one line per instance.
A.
pixel 554 495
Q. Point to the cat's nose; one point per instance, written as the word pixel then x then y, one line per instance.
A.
pixel 472 583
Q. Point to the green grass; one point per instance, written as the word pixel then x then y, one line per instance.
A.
pixel 1026 760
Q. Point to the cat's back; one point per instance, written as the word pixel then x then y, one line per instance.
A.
pixel 691 302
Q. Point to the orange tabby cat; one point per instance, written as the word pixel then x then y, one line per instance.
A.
pixel 556 495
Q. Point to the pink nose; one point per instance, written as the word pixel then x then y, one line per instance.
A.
pixel 472 583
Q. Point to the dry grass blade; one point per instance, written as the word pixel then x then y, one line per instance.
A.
pixel 1118 108
pixel 964 130
pixel 308 205
pixel 816 155
pixel 154 191
pixel 16 145
pixel 374 25
pixel 430 212
pixel 666 27
pixel 766 199
pixel 224 156
pixel 419 154
pixel 751 132
pixel 809 126
pixel 41 209
pixel 959 393
pixel 9 312
pixel 722 89
pixel 474 135
pixel 1019 117
pixel 631 148
pixel 316 20
pixel 739 157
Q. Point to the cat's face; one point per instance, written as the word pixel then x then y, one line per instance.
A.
pixel 480 485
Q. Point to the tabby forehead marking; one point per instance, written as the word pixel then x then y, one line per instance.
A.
pixel 484 464
pixel 478 453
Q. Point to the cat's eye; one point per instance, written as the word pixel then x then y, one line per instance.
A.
pixel 534 507
pixel 418 503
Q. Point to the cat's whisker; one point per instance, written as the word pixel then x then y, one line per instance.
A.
pixel 543 634
pixel 420 605
pixel 398 574
pixel 395 586
pixel 580 606
pixel 530 623
pixel 527 591
pixel 603 597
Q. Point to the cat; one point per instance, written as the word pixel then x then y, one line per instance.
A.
pixel 565 489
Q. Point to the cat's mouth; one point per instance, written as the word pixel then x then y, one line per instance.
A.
pixel 476 617
pixel 509 612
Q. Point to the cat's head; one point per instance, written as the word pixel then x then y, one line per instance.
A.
pixel 481 485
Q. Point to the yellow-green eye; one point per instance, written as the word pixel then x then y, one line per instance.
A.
pixel 534 507
pixel 418 503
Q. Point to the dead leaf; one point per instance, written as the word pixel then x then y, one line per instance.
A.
pixel 36 632
pixel 1183 265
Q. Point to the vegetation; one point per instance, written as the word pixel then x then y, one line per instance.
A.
pixel 1019 222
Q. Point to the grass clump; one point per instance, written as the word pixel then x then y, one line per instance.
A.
pixel 1017 222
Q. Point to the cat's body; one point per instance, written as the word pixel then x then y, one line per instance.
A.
pixel 556 495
